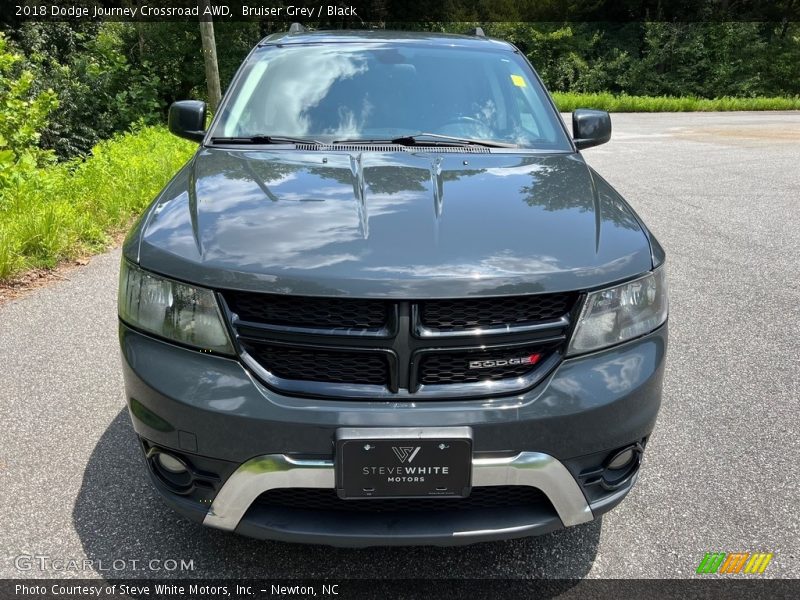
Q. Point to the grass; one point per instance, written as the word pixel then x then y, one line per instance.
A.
pixel 72 209
pixel 567 102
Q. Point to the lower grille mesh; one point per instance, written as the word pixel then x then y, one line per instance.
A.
pixel 313 364
pixel 499 496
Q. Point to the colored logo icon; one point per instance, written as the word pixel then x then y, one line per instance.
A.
pixel 733 563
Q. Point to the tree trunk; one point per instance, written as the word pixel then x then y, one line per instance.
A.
pixel 210 57
pixel 140 36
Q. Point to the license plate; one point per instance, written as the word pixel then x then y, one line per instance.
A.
pixel 402 463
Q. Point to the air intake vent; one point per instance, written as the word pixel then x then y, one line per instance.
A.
pixel 437 368
pixel 513 311
pixel 303 311
pixel 498 496
pixel 323 365
pixel 391 148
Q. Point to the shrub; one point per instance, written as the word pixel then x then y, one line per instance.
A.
pixel 100 88
pixel 23 115
pixel 72 208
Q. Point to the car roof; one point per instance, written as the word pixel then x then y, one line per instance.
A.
pixel 382 35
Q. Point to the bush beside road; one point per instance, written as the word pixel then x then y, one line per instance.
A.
pixel 70 209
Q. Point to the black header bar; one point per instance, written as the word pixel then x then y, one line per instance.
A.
pixel 384 13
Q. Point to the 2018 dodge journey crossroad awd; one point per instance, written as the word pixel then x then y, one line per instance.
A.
pixel 388 302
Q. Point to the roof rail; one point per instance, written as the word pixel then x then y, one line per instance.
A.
pixel 477 32
pixel 296 28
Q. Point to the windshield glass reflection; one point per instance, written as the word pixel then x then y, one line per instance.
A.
pixel 380 91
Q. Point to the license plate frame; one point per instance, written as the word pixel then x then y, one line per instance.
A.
pixel 430 462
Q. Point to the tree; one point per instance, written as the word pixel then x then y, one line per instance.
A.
pixel 210 57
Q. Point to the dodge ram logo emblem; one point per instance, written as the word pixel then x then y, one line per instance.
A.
pixel 531 359
pixel 405 453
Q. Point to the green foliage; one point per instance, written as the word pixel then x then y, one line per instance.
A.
pixel 100 90
pixel 174 55
pixel 556 52
pixel 109 75
pixel 568 101
pixel 703 59
pixel 23 114
pixel 68 209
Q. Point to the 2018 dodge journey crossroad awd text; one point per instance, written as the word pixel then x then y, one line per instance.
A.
pixel 388 302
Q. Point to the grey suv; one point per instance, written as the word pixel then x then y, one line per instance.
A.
pixel 388 302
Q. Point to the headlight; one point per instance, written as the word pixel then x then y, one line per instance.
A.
pixel 621 313
pixel 172 310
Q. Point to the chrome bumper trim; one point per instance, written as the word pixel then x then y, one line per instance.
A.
pixel 540 471
pixel 271 471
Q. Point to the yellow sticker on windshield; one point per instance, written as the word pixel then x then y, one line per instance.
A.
pixel 518 80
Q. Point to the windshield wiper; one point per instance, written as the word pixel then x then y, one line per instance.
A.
pixel 430 139
pixel 264 139
pixel 419 138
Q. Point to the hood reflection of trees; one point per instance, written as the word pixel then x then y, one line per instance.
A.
pixel 555 186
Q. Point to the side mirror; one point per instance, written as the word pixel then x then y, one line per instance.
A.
pixel 590 127
pixel 187 119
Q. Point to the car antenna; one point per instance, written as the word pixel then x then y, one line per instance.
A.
pixel 296 28
pixel 477 32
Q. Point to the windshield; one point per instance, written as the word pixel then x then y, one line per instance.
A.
pixel 381 91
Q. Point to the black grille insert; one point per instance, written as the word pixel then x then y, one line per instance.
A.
pixel 441 368
pixel 325 365
pixel 321 499
pixel 305 311
pixel 464 314
pixel 386 348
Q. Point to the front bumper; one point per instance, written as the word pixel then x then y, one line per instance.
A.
pixel 213 411
pixel 533 469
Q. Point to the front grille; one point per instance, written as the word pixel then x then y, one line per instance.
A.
pixel 454 367
pixel 302 311
pixel 321 499
pixel 473 313
pixel 328 366
pixel 395 349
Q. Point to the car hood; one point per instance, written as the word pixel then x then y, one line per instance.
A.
pixel 390 224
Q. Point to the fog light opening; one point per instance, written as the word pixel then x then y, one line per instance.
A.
pixel 170 463
pixel 621 466
pixel 172 470
pixel 621 460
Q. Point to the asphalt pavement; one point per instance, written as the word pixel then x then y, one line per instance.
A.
pixel 721 191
